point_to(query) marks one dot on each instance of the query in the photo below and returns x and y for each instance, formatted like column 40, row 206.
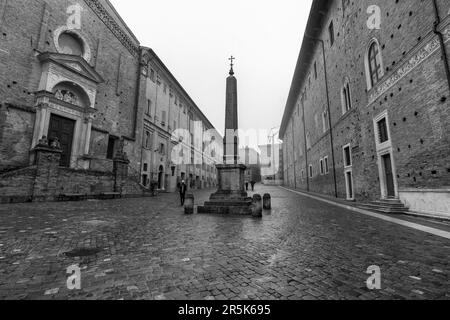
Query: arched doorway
column 161, row 177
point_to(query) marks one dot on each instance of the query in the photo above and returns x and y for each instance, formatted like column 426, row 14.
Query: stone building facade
column 179, row 142
column 272, row 164
column 72, row 71
column 367, row 116
column 252, row 160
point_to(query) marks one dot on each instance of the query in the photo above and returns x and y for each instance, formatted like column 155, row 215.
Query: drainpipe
column 329, row 113
column 441, row 40
column 306, row 148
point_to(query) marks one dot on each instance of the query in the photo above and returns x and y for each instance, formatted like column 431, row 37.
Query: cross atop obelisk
column 232, row 65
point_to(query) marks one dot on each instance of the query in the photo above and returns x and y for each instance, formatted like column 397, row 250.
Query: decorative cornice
column 109, row 21
column 402, row 71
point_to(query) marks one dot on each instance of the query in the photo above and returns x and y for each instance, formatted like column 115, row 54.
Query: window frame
column 378, row 63
column 331, row 33
column 350, row 156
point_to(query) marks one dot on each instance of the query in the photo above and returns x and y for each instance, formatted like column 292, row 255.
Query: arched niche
column 72, row 93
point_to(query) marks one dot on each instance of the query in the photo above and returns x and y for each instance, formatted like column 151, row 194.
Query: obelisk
column 231, row 197
column 230, row 141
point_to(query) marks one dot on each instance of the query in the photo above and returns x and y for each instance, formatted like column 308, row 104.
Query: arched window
column 70, row 43
column 375, row 64
column 346, row 98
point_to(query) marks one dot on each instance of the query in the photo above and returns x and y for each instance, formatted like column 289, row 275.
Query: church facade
column 73, row 75
column 367, row 116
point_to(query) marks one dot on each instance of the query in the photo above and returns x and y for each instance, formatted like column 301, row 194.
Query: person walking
column 253, row 185
column 183, row 190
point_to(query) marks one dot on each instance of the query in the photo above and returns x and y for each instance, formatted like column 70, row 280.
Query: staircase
column 390, row 206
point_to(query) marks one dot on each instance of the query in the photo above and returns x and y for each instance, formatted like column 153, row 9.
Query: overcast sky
column 195, row 38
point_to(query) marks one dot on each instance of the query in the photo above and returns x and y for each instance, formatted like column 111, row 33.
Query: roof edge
column 313, row 28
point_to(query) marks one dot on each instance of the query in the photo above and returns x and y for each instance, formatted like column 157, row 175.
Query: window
column 327, row 167
column 148, row 140
column 144, row 180
column 346, row 98
column 152, row 75
column 383, row 134
column 111, row 147
column 70, row 43
column 325, row 120
column 145, row 166
column 322, row 169
column 162, row 149
column 315, row 70
column 374, row 64
column 310, row 171
column 163, row 118
column 165, row 88
column 149, row 107
column 331, row 32
column 308, row 141
column 347, row 156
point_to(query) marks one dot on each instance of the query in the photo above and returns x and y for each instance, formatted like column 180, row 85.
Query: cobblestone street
column 148, row 249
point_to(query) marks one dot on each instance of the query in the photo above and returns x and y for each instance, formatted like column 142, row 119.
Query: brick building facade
column 367, row 116
column 72, row 71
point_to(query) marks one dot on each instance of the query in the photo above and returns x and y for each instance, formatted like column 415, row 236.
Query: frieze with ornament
column 65, row 110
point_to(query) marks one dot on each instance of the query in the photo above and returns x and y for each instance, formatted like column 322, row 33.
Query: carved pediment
column 72, row 63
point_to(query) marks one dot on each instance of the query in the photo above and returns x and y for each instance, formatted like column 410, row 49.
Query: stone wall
column 47, row 181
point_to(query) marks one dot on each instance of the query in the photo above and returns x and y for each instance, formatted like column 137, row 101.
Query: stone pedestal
column 231, row 198
column 47, row 165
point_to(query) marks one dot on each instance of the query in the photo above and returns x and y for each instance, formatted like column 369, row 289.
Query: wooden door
column 390, row 188
column 63, row 129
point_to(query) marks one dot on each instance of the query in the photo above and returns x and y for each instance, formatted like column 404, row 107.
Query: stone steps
column 390, row 206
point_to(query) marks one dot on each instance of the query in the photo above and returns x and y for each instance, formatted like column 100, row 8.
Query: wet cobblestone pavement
column 148, row 249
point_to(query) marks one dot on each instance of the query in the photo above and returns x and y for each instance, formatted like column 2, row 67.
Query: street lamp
column 272, row 137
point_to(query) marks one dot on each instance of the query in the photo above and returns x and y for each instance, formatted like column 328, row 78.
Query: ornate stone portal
column 231, row 197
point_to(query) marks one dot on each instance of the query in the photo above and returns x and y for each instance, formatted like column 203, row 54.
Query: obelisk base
column 231, row 198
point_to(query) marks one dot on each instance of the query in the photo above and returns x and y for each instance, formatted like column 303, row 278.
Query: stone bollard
column 267, row 202
column 257, row 206
column 189, row 204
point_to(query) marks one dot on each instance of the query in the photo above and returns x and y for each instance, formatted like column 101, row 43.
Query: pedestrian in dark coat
column 183, row 190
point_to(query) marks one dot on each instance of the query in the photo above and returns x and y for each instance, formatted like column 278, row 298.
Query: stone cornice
column 109, row 21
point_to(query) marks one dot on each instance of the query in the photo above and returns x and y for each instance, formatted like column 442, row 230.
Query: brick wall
column 29, row 27
column 417, row 104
